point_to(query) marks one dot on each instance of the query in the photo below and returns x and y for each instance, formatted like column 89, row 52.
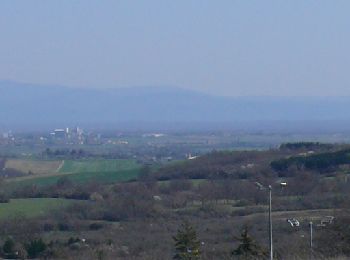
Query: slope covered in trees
column 320, row 162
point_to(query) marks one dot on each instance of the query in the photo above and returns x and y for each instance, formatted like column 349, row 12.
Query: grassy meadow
column 93, row 165
column 31, row 207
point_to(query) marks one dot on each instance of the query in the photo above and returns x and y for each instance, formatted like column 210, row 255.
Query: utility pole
column 270, row 222
column 311, row 238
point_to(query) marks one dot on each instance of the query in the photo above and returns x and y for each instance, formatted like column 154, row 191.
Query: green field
column 102, row 177
column 83, row 171
column 79, row 166
column 31, row 207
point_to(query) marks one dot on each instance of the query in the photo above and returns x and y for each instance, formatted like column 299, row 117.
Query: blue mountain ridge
column 31, row 105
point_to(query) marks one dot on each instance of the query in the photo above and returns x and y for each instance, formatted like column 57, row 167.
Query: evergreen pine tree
column 247, row 249
column 9, row 248
column 186, row 243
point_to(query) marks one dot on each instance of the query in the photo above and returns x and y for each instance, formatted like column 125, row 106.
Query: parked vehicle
column 293, row 222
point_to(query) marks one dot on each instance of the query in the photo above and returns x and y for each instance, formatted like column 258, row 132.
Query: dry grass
column 33, row 166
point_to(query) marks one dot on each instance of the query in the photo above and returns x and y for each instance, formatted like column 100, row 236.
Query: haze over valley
column 165, row 108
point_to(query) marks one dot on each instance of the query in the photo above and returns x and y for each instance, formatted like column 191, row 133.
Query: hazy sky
column 227, row 47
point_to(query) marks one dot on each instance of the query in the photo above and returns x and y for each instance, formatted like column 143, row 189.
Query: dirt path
column 60, row 166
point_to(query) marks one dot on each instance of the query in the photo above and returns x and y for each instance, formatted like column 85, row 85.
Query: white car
column 293, row 222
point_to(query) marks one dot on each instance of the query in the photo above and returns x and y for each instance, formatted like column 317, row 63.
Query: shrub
column 9, row 248
column 95, row 226
column 35, row 248
column 73, row 240
column 64, row 227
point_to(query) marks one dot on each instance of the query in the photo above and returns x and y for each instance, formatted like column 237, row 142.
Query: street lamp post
column 311, row 238
column 261, row 187
column 270, row 223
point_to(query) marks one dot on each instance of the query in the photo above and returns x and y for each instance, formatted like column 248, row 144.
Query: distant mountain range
column 33, row 106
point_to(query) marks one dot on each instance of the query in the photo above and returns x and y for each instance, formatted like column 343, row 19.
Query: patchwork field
column 82, row 171
column 33, row 166
column 102, row 177
column 31, row 207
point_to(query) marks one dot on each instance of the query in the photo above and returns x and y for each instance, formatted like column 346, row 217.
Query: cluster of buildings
column 67, row 133
column 7, row 138
column 74, row 135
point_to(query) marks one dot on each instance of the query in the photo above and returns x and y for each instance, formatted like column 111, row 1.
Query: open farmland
column 31, row 207
column 33, row 166
column 84, row 171
column 102, row 177
column 81, row 166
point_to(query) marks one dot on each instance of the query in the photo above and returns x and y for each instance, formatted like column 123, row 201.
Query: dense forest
column 321, row 162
